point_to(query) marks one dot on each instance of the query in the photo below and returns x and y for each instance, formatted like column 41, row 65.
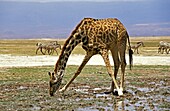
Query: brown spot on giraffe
column 97, row 36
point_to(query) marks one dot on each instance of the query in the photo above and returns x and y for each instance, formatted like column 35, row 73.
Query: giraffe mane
column 67, row 42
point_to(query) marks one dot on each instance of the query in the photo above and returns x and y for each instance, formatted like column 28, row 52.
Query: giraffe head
column 55, row 82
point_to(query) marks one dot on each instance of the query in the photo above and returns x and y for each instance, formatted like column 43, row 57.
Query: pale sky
column 74, row 0
column 51, row 18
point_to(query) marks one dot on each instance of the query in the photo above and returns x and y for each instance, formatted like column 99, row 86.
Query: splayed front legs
column 109, row 68
column 86, row 59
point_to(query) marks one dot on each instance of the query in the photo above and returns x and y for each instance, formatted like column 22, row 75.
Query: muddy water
column 153, row 96
column 135, row 98
column 147, row 88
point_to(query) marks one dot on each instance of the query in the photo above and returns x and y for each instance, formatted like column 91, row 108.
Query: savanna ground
column 28, row 46
column 26, row 88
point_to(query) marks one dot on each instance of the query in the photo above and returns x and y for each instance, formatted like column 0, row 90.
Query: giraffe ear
column 53, row 73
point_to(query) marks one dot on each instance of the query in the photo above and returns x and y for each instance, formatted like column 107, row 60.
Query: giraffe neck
column 68, row 47
column 75, row 38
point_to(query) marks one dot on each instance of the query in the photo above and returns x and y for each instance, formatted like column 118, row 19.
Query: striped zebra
column 49, row 47
column 137, row 45
column 52, row 47
column 163, row 46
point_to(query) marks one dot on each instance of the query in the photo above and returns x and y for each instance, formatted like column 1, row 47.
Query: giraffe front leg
column 86, row 59
column 63, row 89
column 72, row 79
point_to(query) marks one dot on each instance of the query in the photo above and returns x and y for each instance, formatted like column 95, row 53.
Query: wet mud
column 148, row 91
column 151, row 96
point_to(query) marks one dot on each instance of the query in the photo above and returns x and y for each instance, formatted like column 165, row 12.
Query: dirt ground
column 147, row 85
column 147, row 88
column 26, row 61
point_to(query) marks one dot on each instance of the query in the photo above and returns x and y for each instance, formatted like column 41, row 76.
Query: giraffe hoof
column 121, row 89
column 120, row 92
column 62, row 90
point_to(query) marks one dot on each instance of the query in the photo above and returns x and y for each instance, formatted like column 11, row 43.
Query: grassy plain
column 26, row 88
column 28, row 46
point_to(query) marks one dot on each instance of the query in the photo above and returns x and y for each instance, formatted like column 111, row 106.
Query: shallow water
column 136, row 98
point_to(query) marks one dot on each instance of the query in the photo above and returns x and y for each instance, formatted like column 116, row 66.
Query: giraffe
column 97, row 36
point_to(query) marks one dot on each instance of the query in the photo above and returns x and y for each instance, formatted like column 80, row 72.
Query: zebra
column 163, row 46
column 137, row 45
column 40, row 46
column 50, row 47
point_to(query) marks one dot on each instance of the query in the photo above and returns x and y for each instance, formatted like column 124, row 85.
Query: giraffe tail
column 130, row 58
column 130, row 54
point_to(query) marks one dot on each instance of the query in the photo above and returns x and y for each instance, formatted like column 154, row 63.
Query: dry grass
column 28, row 46
column 20, row 46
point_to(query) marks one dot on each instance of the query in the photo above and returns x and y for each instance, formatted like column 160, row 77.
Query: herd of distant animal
column 53, row 45
column 48, row 47
column 163, row 46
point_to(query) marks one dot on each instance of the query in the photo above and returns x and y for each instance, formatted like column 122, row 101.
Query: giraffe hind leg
column 123, row 65
column 122, row 50
column 110, row 71
column 116, row 64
